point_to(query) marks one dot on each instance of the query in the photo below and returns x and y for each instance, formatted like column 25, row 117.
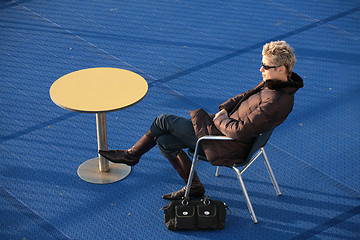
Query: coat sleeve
column 231, row 103
column 259, row 120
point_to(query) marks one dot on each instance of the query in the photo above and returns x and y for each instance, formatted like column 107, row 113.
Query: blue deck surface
column 193, row 54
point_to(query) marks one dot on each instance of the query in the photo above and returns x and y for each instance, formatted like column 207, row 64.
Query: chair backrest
column 259, row 142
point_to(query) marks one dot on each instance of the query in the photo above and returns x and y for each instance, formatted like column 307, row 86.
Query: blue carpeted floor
column 193, row 54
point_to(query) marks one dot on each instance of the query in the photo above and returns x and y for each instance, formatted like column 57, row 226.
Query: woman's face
column 273, row 71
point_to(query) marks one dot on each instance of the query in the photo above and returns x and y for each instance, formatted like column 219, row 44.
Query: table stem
column 102, row 140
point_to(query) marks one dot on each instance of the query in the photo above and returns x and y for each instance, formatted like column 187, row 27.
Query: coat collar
column 293, row 83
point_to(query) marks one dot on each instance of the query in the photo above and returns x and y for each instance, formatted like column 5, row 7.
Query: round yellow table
column 99, row 90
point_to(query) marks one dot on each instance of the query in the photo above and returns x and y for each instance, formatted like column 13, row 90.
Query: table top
column 98, row 90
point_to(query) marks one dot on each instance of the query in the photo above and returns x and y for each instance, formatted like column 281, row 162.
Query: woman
column 242, row 118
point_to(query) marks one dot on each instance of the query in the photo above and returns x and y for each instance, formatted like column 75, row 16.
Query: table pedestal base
column 89, row 172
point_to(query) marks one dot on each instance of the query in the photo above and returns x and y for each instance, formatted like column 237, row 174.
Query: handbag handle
column 185, row 201
column 206, row 200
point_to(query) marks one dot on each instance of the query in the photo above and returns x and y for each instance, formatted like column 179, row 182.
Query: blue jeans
column 173, row 133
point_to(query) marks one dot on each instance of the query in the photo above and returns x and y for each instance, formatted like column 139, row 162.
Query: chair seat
column 200, row 156
column 203, row 158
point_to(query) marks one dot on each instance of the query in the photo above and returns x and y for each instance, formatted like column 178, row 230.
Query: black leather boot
column 182, row 164
column 131, row 156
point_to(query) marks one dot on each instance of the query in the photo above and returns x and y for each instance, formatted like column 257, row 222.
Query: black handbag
column 191, row 214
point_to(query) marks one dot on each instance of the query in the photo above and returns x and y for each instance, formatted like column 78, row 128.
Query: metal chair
column 256, row 150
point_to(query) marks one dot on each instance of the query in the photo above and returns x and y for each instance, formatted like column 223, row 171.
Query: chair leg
column 247, row 199
column 272, row 176
column 191, row 175
column 217, row 173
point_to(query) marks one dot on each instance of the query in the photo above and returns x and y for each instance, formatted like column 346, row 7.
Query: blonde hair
column 281, row 54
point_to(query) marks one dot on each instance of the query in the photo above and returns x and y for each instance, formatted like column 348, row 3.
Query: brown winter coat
column 260, row 111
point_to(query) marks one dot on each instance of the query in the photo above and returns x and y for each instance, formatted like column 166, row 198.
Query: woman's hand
column 219, row 114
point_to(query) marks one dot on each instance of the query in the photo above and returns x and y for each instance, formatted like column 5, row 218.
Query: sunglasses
column 266, row 67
